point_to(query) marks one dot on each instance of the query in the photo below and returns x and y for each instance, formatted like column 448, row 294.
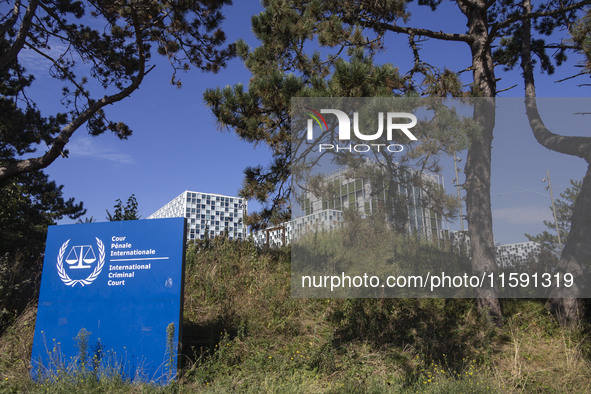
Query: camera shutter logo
column 80, row 257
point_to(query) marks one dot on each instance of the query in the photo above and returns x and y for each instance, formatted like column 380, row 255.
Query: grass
column 244, row 333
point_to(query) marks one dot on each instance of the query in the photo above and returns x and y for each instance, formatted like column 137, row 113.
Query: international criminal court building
column 214, row 214
column 349, row 191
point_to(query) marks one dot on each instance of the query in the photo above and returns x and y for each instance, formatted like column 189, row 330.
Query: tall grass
column 244, row 333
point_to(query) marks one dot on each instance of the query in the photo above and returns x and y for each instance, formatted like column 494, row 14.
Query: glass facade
column 326, row 220
column 514, row 255
column 206, row 213
column 367, row 196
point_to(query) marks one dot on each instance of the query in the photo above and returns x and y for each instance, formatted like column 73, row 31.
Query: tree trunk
column 478, row 162
column 478, row 206
column 575, row 258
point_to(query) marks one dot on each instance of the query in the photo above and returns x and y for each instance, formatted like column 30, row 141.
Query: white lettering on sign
column 120, row 246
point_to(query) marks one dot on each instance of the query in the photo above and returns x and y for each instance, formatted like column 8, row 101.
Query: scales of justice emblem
column 80, row 257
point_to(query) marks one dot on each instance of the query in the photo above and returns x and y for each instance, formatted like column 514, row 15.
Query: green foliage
column 21, row 128
column 326, row 48
column 243, row 332
column 508, row 53
column 564, row 212
column 241, row 313
column 30, row 203
column 95, row 370
column 441, row 330
column 129, row 211
column 581, row 36
column 87, row 372
column 90, row 219
column 281, row 69
column 170, row 349
column 370, row 247
column 100, row 51
column 81, row 340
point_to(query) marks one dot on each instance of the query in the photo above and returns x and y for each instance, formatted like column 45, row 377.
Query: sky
column 178, row 146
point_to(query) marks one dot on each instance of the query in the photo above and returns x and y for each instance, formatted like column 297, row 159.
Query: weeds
column 244, row 333
column 170, row 363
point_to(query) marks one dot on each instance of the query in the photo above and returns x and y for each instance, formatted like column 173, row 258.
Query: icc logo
column 80, row 257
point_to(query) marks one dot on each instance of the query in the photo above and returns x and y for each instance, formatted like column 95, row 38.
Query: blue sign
column 111, row 299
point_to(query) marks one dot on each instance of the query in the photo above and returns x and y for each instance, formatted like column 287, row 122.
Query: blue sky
column 177, row 145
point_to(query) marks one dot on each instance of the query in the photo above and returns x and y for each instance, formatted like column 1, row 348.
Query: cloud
column 88, row 147
column 35, row 63
column 522, row 215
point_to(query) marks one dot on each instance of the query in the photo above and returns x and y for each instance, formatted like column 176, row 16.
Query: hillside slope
column 244, row 333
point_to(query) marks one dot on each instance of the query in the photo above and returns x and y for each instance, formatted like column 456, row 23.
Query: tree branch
column 22, row 166
column 504, row 90
column 531, row 15
column 425, row 32
column 17, row 45
column 58, row 66
column 11, row 20
column 573, row 146
column 571, row 77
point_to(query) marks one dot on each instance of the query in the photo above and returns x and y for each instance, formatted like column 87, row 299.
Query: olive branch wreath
column 97, row 270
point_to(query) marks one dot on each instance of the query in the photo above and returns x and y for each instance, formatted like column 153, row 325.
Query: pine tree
column 564, row 212
column 575, row 256
column 101, row 51
column 29, row 203
column 282, row 68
